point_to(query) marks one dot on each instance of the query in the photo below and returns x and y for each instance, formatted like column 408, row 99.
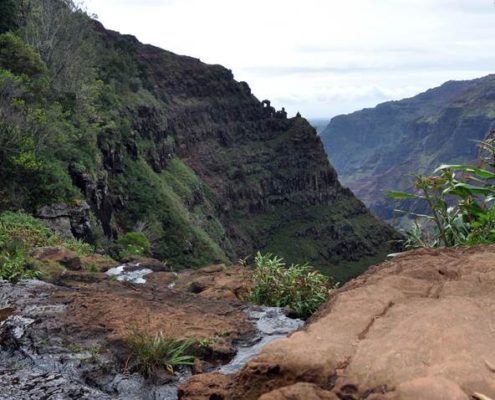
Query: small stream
column 128, row 273
column 271, row 324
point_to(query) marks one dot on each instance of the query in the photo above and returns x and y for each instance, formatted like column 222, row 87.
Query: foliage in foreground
column 298, row 287
column 152, row 352
column 461, row 201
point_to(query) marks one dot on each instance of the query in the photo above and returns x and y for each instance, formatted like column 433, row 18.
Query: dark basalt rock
column 69, row 222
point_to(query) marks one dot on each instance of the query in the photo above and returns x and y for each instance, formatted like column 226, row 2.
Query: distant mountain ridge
column 375, row 150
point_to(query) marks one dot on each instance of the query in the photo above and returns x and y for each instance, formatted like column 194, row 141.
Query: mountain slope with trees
column 165, row 145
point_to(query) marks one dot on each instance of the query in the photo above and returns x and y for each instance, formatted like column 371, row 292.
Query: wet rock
column 124, row 273
column 415, row 327
column 153, row 264
column 19, row 385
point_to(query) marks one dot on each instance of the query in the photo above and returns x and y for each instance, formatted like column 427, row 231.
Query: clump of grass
column 298, row 287
column 20, row 233
column 79, row 247
column 13, row 266
column 154, row 351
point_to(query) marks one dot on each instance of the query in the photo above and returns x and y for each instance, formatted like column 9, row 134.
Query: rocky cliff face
column 212, row 173
column 376, row 150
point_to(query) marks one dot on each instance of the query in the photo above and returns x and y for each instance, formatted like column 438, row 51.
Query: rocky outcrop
column 417, row 327
column 69, row 222
column 376, row 150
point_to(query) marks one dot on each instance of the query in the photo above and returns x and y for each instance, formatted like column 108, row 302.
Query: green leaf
column 479, row 172
column 474, row 190
column 402, row 195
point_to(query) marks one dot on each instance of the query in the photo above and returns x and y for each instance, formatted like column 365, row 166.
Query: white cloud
column 321, row 57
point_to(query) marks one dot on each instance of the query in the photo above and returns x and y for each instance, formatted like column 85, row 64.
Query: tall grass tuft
column 154, row 351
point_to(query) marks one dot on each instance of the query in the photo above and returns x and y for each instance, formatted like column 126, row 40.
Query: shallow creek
column 271, row 324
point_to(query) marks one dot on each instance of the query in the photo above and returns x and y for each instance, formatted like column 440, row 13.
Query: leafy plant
column 134, row 243
column 18, row 57
column 155, row 351
column 298, row 286
column 461, row 201
column 13, row 266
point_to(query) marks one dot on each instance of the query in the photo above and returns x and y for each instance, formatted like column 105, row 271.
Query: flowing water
column 271, row 324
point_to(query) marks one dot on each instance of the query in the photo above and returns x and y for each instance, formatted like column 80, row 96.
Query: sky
column 320, row 57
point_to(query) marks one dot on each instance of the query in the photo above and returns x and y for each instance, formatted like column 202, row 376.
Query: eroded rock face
column 377, row 149
column 68, row 221
column 256, row 179
column 417, row 327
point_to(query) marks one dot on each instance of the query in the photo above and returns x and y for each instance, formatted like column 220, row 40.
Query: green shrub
column 461, row 201
column 19, row 58
column 19, row 234
column 25, row 229
column 134, row 243
column 298, row 287
column 152, row 352
column 13, row 266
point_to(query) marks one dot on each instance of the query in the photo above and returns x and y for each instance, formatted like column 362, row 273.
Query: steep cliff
column 255, row 178
column 181, row 151
column 376, row 150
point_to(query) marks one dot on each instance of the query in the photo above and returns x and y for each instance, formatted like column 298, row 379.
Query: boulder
column 300, row 391
column 217, row 281
column 68, row 221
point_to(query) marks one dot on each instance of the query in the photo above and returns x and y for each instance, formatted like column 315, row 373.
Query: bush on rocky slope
column 152, row 352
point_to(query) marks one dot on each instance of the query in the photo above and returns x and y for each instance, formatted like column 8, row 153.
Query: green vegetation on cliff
column 298, row 287
column 167, row 146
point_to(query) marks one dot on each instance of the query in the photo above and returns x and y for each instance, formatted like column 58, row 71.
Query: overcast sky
column 320, row 57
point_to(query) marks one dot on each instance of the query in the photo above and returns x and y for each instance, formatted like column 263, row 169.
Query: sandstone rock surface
column 421, row 326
